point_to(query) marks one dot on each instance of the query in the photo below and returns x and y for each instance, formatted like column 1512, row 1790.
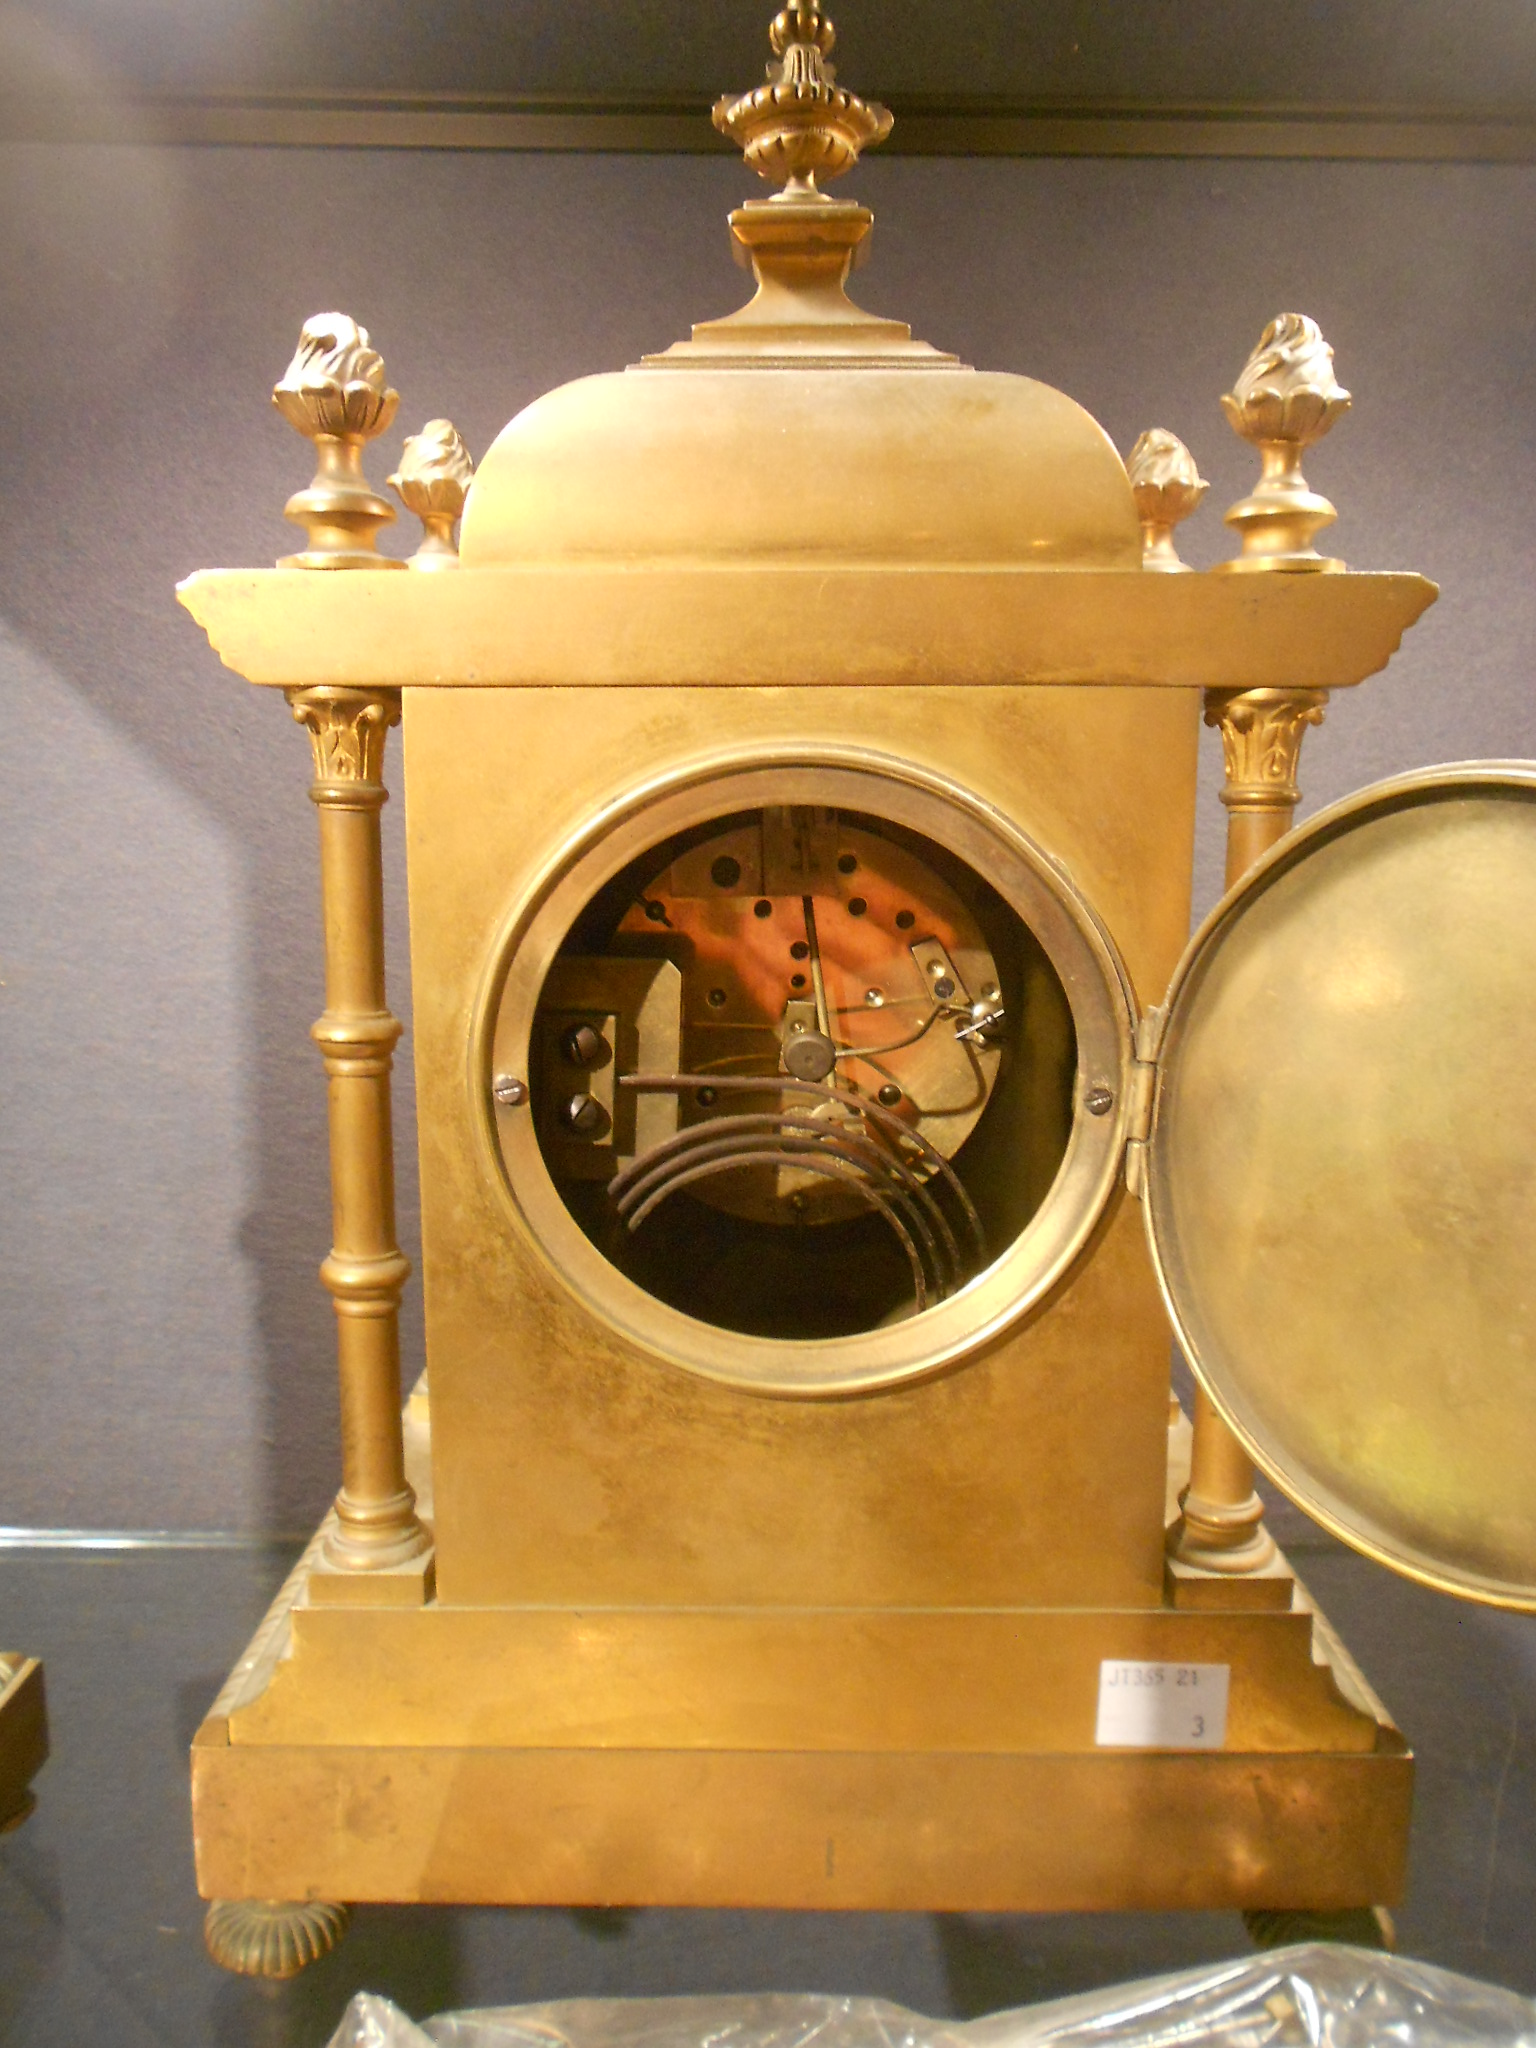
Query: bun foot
column 272, row 1937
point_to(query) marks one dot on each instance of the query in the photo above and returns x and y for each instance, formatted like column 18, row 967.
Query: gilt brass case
column 782, row 1554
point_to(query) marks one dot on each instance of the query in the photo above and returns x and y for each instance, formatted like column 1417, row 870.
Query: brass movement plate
column 1342, row 1174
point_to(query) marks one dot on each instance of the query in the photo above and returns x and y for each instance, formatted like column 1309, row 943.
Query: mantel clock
column 822, row 1112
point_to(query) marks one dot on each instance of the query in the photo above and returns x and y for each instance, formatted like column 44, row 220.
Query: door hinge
column 1142, row 1093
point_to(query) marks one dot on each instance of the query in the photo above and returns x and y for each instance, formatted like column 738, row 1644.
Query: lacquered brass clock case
column 1021, row 1269
column 597, row 1622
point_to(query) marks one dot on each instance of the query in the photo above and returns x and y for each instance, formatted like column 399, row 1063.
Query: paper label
column 1162, row 1706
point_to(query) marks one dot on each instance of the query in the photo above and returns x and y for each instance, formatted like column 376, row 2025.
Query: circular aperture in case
column 801, row 1073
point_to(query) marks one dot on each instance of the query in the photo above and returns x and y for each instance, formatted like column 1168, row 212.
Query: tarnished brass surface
column 1340, row 1182
column 895, row 1833
column 601, row 624
column 869, row 1490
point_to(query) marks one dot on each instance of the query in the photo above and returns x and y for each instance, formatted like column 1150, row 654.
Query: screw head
column 582, row 1045
column 509, row 1091
column 1099, row 1101
column 889, row 1096
column 943, row 988
column 584, row 1116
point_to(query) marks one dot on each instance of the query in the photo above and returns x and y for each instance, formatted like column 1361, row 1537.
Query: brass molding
column 680, row 624
column 672, row 125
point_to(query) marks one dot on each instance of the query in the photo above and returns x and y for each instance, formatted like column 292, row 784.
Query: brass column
column 1285, row 400
column 376, row 1524
column 1222, row 1528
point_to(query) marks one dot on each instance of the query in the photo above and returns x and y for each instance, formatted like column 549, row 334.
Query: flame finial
column 1286, row 398
column 1167, row 487
column 800, row 125
column 433, row 480
column 335, row 394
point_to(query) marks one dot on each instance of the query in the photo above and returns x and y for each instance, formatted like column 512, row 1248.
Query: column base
column 1217, row 1537
column 382, row 1537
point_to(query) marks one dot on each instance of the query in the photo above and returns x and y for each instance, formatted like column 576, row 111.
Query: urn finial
column 433, row 481
column 1167, row 487
column 1286, row 398
column 800, row 125
column 334, row 393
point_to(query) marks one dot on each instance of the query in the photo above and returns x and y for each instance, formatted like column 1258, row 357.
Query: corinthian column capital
column 347, row 729
column 1261, row 735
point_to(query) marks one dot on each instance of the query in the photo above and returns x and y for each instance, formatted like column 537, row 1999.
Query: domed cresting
column 745, row 460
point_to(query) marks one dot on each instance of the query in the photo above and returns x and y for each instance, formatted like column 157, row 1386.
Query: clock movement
column 823, row 1113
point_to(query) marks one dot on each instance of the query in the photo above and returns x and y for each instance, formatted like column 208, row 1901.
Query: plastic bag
column 1315, row 1995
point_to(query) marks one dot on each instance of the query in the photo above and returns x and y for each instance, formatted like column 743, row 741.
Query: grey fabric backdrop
column 165, row 1350
column 1478, row 56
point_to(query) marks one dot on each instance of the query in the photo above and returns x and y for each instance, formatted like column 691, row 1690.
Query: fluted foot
column 1360, row 1926
column 272, row 1937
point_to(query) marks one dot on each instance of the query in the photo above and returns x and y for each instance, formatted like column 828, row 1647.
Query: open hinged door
column 1340, row 1177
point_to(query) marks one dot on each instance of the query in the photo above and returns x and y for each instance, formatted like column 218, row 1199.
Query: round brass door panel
column 708, row 920
column 1341, row 1184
